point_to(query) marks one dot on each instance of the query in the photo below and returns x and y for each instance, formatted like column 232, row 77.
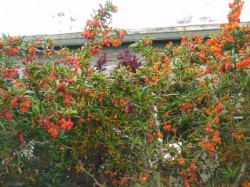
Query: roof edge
column 157, row 33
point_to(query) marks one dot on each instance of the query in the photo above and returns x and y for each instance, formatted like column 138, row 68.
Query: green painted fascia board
column 157, row 34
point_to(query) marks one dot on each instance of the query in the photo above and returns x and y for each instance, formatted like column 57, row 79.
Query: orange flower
column 21, row 139
column 193, row 167
column 53, row 131
column 244, row 64
column 167, row 127
column 8, row 116
column 217, row 138
column 159, row 135
column 122, row 102
column 246, row 184
column 66, row 124
column 14, row 102
column 144, row 178
column 210, row 147
column 25, row 105
column 62, row 149
column 209, row 130
column 181, row 161
column 18, row 84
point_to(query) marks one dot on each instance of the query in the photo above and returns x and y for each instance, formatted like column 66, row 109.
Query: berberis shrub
column 178, row 117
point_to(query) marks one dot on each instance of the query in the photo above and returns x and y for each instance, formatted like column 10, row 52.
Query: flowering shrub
column 181, row 119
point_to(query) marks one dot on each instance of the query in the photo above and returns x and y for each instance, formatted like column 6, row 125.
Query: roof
column 157, row 34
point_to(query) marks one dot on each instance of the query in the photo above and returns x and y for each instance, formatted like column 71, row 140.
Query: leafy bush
column 181, row 119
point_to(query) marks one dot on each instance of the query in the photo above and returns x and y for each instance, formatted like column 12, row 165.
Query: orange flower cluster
column 97, row 27
column 66, row 124
column 21, row 139
column 13, row 51
column 209, row 129
column 24, row 104
column 243, row 64
column 49, row 126
column 7, row 115
column 159, row 135
column 237, row 134
column 53, row 130
column 169, row 127
column 219, row 108
column 234, row 14
column 189, row 174
column 87, row 34
column 10, row 73
column 210, row 145
column 187, row 106
column 181, row 161
column 215, row 109
column 216, row 137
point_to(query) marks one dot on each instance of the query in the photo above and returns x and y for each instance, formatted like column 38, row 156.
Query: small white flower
column 28, row 152
column 160, row 140
column 176, row 146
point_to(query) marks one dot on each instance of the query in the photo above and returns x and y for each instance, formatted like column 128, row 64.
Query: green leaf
column 204, row 177
column 70, row 111
column 2, row 125
column 15, row 184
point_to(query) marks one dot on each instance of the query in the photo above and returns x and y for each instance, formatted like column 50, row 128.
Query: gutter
column 133, row 35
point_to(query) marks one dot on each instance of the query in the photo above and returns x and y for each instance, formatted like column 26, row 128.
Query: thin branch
column 93, row 177
column 242, row 171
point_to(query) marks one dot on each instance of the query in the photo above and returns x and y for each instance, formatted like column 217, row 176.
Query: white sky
column 28, row 17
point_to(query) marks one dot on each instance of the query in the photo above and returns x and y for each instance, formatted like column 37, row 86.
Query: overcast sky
column 28, row 17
